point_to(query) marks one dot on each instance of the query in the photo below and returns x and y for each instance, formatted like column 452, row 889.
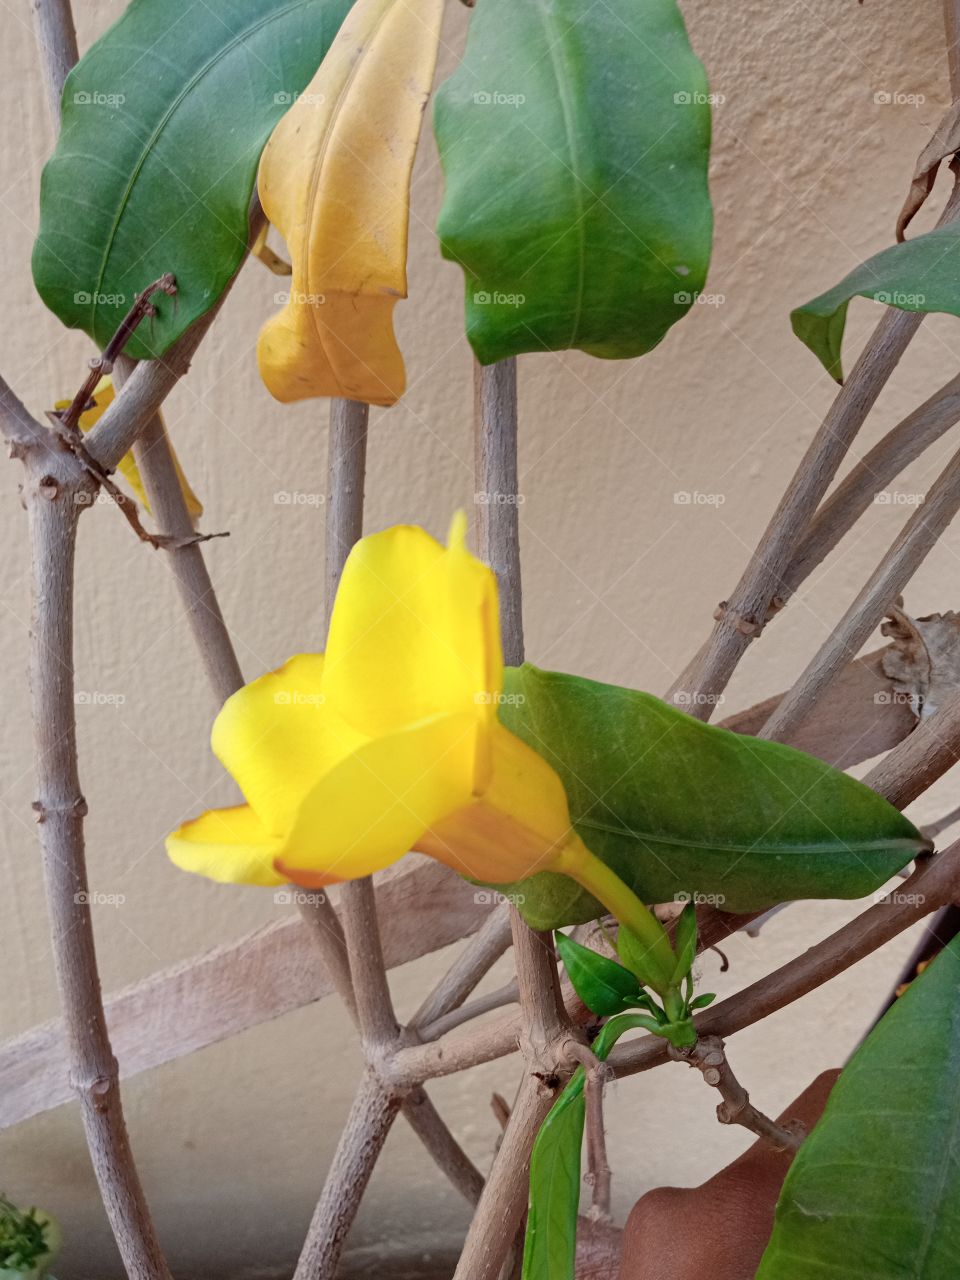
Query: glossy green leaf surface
column 550, row 1244
column 163, row 122
column 604, row 986
column 675, row 806
column 574, row 141
column 922, row 274
column 874, row 1192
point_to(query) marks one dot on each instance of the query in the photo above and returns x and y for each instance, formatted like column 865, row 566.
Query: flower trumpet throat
column 389, row 741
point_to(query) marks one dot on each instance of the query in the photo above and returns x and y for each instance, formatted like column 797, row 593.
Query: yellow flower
column 390, row 741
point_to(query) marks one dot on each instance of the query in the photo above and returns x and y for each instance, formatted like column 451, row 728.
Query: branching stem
column 709, row 1057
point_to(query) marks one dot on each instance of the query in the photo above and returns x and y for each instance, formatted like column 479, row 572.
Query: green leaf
column 636, row 955
column 575, row 141
column 163, row 122
column 29, row 1242
column 922, row 274
column 685, row 942
column 675, row 806
column 550, row 1246
column 874, row 1192
column 604, row 986
column 701, row 1002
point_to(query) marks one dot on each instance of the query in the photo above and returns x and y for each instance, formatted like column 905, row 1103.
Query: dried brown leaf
column 924, row 660
column 945, row 142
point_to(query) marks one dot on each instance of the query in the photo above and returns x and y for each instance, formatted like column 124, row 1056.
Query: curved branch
column 934, row 883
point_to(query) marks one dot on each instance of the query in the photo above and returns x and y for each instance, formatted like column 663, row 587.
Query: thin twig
column 709, row 1057
column 102, row 364
column 509, row 993
column 479, row 955
column 447, row 1153
column 56, row 39
column 346, row 470
column 496, row 496
column 916, row 540
column 19, row 428
column 875, row 470
column 598, row 1175
column 358, row 910
column 204, row 616
column 320, row 917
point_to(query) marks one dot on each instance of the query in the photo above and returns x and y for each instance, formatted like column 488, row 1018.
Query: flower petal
column 370, row 809
column 229, row 845
column 520, row 824
column 414, row 633
column 277, row 736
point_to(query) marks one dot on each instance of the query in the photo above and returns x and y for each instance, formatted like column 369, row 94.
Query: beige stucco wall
column 620, row 583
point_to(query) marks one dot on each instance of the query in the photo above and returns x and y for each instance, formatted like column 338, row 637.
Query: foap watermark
column 483, row 498
column 697, row 98
column 683, row 699
column 694, row 498
column 897, row 98
column 890, row 498
column 484, row 699
column 297, row 698
column 94, row 898
column 97, row 98
column 298, row 498
column 893, row 698
column 286, row 99
column 299, row 897
column 299, row 299
column 896, row 298
column 88, row 498
column 84, row 299
column 701, row 899
column 98, row 698
column 486, row 298
column 496, row 98
column 688, row 298
column 491, row 897
column 897, row 898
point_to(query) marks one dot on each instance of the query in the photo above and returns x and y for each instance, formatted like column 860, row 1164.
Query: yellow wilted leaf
column 335, row 180
column 103, row 394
